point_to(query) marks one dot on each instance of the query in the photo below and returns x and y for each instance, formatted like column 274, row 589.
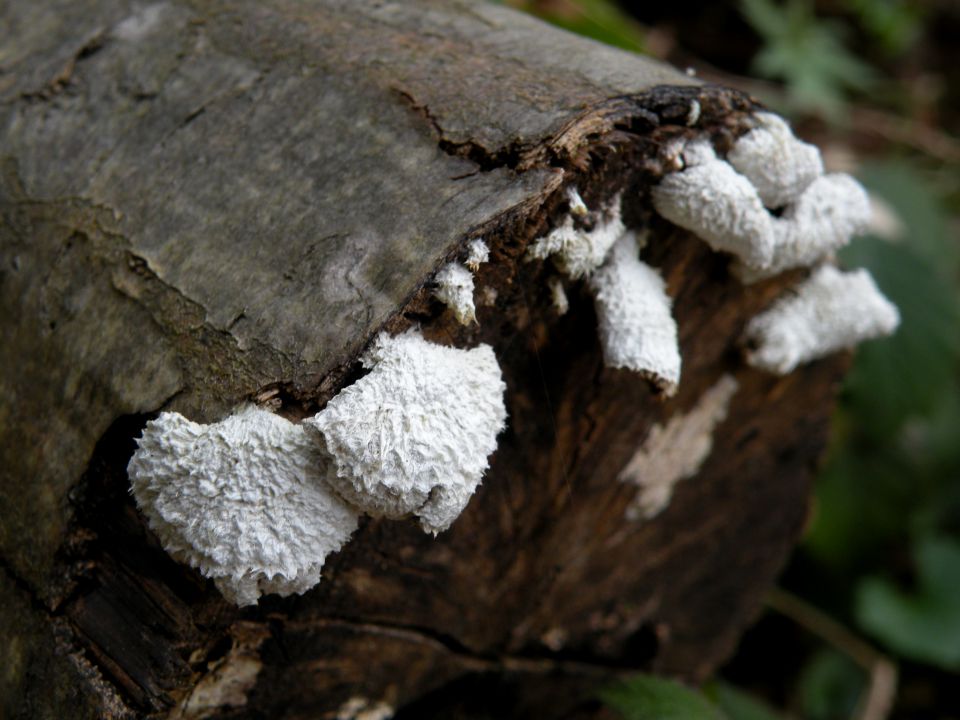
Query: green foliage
column 808, row 54
column 647, row 697
column 891, row 475
column 738, row 705
column 601, row 20
column 895, row 24
column 922, row 624
column 829, row 686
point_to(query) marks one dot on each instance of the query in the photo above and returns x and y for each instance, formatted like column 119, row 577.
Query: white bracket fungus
column 257, row 502
column 477, row 254
column 413, row 435
column 709, row 198
column 725, row 201
column 637, row 330
column 775, row 162
column 831, row 211
column 579, row 251
column 244, row 500
column 830, row 311
column 675, row 451
column 633, row 310
column 455, row 290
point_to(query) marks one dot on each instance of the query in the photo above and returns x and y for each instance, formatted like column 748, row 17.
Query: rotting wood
column 206, row 202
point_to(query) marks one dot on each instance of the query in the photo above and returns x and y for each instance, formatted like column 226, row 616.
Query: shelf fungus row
column 257, row 502
column 770, row 205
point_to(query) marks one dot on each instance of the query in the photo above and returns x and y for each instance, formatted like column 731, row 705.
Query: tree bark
column 215, row 201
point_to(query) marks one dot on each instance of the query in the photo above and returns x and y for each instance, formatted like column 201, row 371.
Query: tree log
column 212, row 201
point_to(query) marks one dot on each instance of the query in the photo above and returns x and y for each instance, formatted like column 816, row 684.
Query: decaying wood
column 211, row 201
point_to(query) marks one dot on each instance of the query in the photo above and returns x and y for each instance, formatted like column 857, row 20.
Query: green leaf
column 862, row 507
column 807, row 53
column 923, row 625
column 830, row 685
column 916, row 202
column 601, row 20
column 906, row 374
column 739, row 705
column 647, row 697
column 895, row 23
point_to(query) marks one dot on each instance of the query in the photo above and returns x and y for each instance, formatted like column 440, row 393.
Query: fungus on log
column 213, row 203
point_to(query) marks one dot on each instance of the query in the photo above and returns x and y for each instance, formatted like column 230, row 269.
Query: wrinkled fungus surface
column 830, row 311
column 455, row 290
column 577, row 250
column 413, row 436
column 637, row 331
column 244, row 500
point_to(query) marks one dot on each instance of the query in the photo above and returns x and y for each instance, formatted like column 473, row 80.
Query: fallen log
column 210, row 203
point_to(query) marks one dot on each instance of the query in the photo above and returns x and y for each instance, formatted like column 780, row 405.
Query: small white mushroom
column 577, row 251
column 637, row 331
column 477, row 254
column 775, row 162
column 830, row 311
column 413, row 435
column 824, row 218
column 244, row 500
column 455, row 290
column 710, row 199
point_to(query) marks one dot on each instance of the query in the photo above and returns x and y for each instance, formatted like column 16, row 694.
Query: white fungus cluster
column 830, row 311
column 256, row 502
column 245, row 500
column 713, row 200
column 455, row 290
column 728, row 203
column 775, row 162
column 455, row 285
column 576, row 250
column 477, row 254
column 414, row 434
column 637, row 331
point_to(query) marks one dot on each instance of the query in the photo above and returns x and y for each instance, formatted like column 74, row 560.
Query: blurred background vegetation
column 866, row 621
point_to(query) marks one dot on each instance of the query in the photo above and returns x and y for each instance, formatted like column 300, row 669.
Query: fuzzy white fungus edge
column 826, row 216
column 775, row 162
column 455, row 290
column 637, row 331
column 558, row 296
column 477, row 254
column 711, row 199
column 413, row 435
column 725, row 202
column 244, row 500
column 577, row 206
column 579, row 251
column 830, row 311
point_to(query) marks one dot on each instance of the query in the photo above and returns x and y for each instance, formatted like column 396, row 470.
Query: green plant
column 601, row 20
column 647, row 697
column 807, row 53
